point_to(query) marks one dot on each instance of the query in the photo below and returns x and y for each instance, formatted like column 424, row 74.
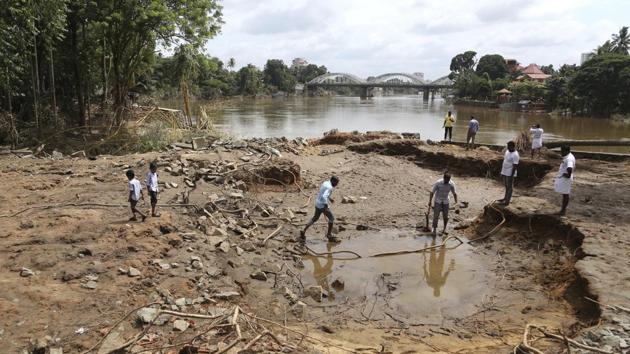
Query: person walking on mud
column 449, row 120
column 441, row 190
column 473, row 128
column 508, row 171
column 322, row 206
column 537, row 140
column 135, row 193
column 152, row 187
column 564, row 180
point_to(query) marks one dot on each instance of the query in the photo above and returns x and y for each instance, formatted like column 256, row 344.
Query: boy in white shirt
column 152, row 187
column 322, row 207
column 135, row 193
column 564, row 180
column 508, row 171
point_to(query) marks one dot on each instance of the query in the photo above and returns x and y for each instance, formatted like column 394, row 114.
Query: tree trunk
column 52, row 87
column 186, row 103
column 77, row 72
column 87, row 86
column 35, row 82
column 12, row 128
column 104, row 73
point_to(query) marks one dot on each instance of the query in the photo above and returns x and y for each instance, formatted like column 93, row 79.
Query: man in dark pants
column 441, row 190
column 508, row 171
column 322, row 207
column 449, row 120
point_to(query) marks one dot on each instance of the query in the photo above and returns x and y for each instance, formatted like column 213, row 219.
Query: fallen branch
column 272, row 234
column 397, row 253
column 494, row 229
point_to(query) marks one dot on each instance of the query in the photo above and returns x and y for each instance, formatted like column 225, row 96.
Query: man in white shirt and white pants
column 508, row 171
column 564, row 180
column 322, row 207
column 537, row 140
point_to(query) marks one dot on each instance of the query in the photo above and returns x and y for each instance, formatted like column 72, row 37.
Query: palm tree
column 231, row 63
column 621, row 42
column 605, row 48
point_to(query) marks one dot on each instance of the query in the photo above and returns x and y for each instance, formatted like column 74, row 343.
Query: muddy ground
column 72, row 265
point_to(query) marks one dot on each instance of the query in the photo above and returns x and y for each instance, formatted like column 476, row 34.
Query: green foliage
column 603, row 82
column 249, row 80
column 492, row 64
column 530, row 90
column 621, row 42
column 463, row 62
column 308, row 73
column 277, row 75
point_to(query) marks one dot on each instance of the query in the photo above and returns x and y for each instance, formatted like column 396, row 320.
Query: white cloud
column 368, row 37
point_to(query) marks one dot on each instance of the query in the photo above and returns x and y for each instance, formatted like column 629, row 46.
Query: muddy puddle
column 442, row 282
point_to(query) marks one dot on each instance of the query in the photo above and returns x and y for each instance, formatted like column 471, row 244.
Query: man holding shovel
column 441, row 190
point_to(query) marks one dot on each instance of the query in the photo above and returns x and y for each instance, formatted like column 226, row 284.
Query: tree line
column 599, row 87
column 79, row 62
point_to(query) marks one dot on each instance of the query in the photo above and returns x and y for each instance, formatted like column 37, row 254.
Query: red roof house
column 533, row 72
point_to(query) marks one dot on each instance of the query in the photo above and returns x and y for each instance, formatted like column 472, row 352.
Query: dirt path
column 61, row 220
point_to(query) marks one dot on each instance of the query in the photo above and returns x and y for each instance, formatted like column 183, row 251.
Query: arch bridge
column 388, row 80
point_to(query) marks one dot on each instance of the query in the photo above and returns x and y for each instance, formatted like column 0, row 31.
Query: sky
column 373, row 37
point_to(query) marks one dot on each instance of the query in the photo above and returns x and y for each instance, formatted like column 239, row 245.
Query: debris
column 315, row 292
column 89, row 285
column 227, row 295
column 361, row 227
column 348, row 200
column 81, row 330
column 25, row 272
column 259, row 275
column 180, row 325
column 133, row 272
column 290, row 295
column 225, row 246
column 199, row 143
column 146, row 314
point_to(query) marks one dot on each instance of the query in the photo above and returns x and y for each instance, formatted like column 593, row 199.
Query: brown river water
column 310, row 117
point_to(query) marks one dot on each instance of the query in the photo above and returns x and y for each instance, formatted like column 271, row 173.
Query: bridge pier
column 425, row 94
column 366, row 92
column 432, row 95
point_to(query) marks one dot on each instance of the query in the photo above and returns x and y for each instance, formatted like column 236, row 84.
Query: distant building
column 419, row 75
column 532, row 72
column 513, row 65
column 299, row 63
column 585, row 57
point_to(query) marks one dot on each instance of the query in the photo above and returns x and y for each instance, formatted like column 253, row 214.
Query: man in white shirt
column 135, row 193
column 564, row 180
column 508, row 171
column 152, row 187
column 441, row 190
column 473, row 128
column 322, row 206
column 537, row 141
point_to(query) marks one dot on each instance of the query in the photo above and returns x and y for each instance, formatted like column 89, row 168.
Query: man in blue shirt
column 322, row 207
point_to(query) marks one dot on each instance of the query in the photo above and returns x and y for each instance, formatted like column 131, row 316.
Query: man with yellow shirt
column 449, row 120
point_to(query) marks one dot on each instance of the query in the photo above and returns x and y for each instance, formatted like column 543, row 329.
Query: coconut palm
column 231, row 63
column 621, row 42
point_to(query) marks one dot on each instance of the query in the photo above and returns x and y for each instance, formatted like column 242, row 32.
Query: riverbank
column 73, row 266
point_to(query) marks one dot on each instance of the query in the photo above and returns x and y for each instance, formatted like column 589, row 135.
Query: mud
column 65, row 221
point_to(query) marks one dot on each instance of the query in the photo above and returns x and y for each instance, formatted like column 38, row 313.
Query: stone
column 236, row 195
column 348, row 200
column 180, row 302
column 197, row 265
column 174, row 185
column 290, row 295
column 162, row 319
column 146, row 314
column 226, row 295
column 28, row 224
column 199, row 143
column 89, row 285
column 248, row 246
column 180, row 325
column 225, row 246
column 213, row 271
column 219, row 232
column 239, row 251
column 612, row 340
column 165, row 266
column 259, row 275
column 338, row 284
column 189, row 183
column 194, row 258
column 133, row 272
column 362, row 227
column 56, row 155
column 315, row 292
column 55, row 350
column 245, row 158
column 25, row 272
column 623, row 344
column 299, row 309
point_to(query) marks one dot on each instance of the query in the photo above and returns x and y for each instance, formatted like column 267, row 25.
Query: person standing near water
column 564, row 180
column 322, row 206
column 508, row 171
column 473, row 128
column 441, row 190
column 449, row 120
column 537, row 141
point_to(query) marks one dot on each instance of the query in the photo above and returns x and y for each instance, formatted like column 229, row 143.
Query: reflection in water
column 433, row 276
column 321, row 273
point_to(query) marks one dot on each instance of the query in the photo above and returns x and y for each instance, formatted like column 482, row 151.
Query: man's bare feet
column 333, row 239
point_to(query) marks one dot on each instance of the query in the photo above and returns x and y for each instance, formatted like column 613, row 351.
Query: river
column 310, row 117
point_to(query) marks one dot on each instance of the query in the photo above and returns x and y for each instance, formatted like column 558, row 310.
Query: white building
column 299, row 63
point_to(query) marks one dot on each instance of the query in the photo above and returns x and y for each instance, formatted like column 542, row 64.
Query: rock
column 180, row 302
column 55, row 350
column 464, row 224
column 174, row 185
column 326, row 329
column 89, row 285
column 623, row 344
column 226, row 295
column 248, row 246
column 225, row 246
column 315, row 292
column 28, row 224
column 217, row 231
column 199, row 143
column 165, row 266
column 237, row 195
column 197, row 264
column 56, row 155
column 133, row 272
column 146, row 314
column 25, row 272
column 613, row 341
column 189, row 183
column 290, row 295
column 239, row 251
column 259, row 275
column 362, row 227
column 213, row 271
column 180, row 325
column 245, row 158
column 299, row 309
column 338, row 284
column 348, row 200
